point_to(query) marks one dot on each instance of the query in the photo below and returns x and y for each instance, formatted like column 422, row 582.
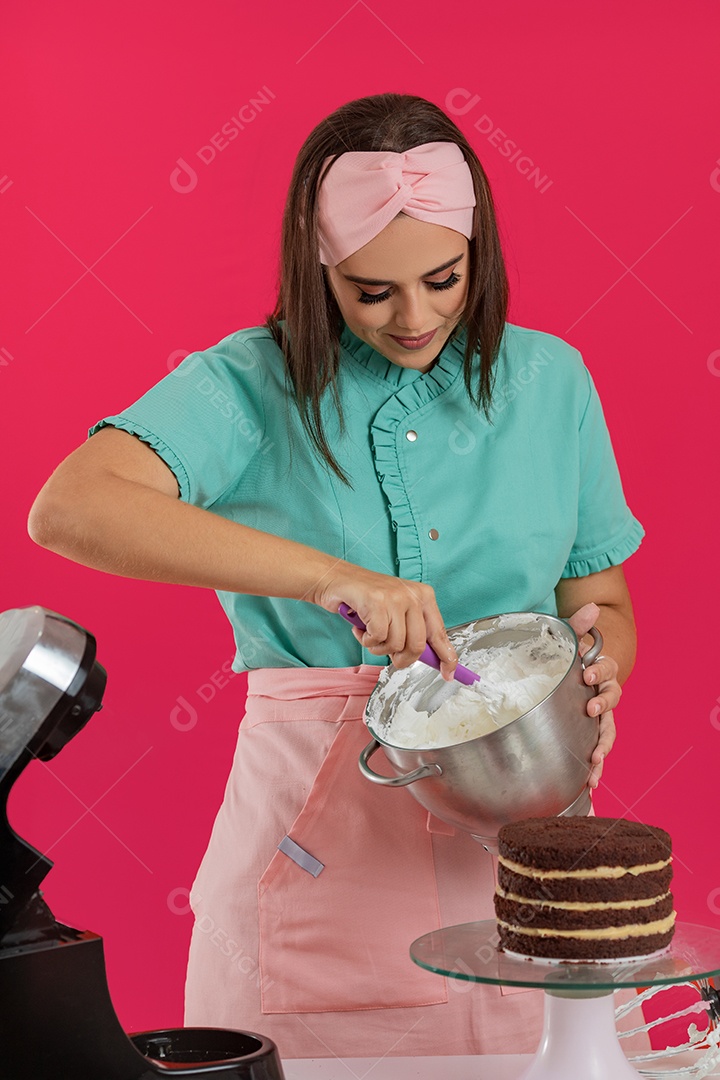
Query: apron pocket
column 355, row 885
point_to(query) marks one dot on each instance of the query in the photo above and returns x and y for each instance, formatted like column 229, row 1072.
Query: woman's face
column 416, row 297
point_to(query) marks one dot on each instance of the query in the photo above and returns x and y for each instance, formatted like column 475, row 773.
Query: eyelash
column 369, row 298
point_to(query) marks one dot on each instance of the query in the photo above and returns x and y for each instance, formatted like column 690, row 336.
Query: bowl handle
column 594, row 651
column 393, row 781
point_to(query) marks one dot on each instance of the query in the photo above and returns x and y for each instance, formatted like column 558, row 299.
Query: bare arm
column 602, row 599
column 113, row 505
column 616, row 622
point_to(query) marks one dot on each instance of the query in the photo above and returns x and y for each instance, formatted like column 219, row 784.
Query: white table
column 487, row 1067
column 490, row 1067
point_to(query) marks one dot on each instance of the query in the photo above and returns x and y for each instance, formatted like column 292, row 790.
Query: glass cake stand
column 579, row 1037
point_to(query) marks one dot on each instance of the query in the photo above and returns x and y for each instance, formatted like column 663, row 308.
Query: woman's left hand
column 603, row 674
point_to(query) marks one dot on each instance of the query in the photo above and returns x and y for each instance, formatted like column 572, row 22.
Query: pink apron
column 315, row 882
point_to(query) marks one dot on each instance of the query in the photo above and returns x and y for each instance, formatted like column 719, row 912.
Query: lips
column 415, row 343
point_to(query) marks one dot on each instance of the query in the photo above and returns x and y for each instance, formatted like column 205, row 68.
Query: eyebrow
column 374, row 281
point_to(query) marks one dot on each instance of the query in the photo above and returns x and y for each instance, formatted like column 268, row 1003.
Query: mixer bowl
column 535, row 766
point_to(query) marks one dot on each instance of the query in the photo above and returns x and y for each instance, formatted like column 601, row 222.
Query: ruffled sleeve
column 205, row 419
column 607, row 531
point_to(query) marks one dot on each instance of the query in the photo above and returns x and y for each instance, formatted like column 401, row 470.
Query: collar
column 449, row 361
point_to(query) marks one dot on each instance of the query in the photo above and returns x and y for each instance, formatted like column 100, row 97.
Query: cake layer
column 582, row 843
column 624, row 887
column 583, row 917
column 584, row 889
column 575, row 948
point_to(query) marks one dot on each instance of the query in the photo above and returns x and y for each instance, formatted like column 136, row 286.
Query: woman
column 386, row 439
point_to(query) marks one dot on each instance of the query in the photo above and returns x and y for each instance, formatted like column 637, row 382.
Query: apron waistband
column 292, row 683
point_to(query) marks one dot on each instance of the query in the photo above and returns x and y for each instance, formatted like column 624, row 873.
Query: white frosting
column 514, row 678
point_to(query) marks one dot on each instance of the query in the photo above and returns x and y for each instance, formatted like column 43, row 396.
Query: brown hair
column 312, row 319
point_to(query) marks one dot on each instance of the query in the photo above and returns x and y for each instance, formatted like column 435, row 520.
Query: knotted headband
column 363, row 191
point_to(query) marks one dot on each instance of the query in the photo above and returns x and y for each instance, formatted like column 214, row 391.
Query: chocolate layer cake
column 581, row 888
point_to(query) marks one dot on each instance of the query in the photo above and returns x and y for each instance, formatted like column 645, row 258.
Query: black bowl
column 219, row 1052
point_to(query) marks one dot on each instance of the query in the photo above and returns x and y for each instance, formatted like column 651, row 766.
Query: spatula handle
column 428, row 655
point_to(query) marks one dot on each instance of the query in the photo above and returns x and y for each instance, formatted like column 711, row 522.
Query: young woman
column 388, row 440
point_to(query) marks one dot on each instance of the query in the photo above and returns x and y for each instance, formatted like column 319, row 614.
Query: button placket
column 397, row 465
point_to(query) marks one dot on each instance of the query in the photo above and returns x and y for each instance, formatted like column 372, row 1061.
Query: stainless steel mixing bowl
column 535, row 766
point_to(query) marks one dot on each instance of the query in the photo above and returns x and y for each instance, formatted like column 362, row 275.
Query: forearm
column 616, row 622
column 617, row 626
column 132, row 530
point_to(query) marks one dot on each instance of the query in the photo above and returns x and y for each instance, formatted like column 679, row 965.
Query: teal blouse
column 490, row 515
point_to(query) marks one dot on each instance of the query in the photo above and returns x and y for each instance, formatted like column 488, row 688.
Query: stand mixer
column 57, row 1021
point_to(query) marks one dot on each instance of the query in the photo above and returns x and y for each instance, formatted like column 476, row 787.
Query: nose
column 413, row 313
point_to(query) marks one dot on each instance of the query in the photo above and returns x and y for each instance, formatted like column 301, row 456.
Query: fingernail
column 592, row 677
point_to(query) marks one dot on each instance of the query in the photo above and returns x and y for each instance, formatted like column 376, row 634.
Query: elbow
column 44, row 521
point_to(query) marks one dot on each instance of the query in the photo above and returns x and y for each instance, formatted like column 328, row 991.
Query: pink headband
column 364, row 191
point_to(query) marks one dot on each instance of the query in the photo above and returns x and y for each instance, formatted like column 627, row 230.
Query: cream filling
column 606, row 933
column 579, row 905
column 593, row 872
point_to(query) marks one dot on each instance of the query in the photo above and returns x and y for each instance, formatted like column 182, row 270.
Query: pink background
column 113, row 271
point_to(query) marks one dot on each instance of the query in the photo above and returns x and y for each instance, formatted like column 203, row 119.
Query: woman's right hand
column 400, row 616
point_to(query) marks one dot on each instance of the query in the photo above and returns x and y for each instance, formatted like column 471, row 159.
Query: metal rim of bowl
column 462, row 626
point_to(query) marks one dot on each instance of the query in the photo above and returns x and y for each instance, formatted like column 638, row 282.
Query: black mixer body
column 57, row 1021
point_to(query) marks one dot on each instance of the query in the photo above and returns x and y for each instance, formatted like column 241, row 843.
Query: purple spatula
column 428, row 656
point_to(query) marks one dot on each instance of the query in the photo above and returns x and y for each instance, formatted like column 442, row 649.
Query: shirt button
column 411, row 436
column 433, row 534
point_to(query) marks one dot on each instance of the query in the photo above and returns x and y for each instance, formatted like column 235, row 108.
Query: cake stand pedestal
column 579, row 1027
column 579, row 1037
